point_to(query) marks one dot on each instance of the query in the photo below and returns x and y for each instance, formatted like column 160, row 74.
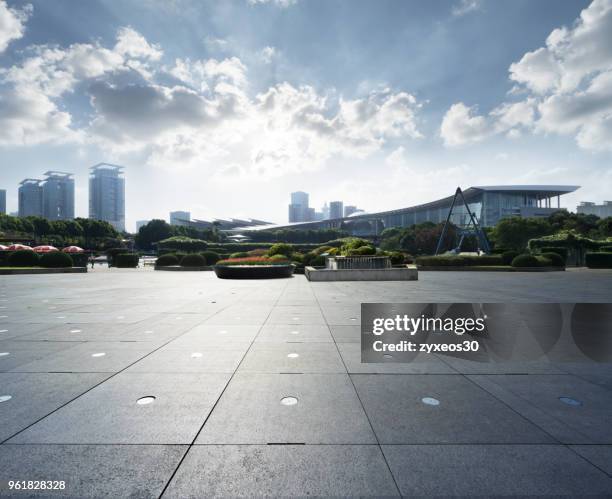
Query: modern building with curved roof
column 488, row 203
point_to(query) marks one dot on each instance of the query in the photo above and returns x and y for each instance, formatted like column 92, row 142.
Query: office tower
column 349, row 210
column 335, row 209
column 30, row 198
column 601, row 210
column 58, row 196
column 107, row 194
column 141, row 223
column 298, row 209
column 325, row 211
column 180, row 218
column 3, row 201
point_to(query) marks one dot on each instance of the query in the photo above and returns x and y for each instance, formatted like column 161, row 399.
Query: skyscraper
column 180, row 217
column 349, row 210
column 336, row 209
column 298, row 209
column 30, row 196
column 58, row 196
column 107, row 194
column 2, row 201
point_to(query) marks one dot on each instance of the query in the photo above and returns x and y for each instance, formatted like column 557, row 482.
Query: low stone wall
column 72, row 270
column 390, row 274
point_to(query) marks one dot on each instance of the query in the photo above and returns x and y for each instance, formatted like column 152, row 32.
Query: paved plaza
column 141, row 383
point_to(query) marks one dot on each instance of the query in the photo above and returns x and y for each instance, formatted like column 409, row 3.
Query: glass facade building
column 107, row 194
column 58, row 196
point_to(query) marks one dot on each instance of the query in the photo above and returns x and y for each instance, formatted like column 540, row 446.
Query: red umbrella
column 73, row 249
column 17, row 247
column 3, row 248
column 44, row 249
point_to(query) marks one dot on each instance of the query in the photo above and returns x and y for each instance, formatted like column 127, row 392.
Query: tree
column 515, row 232
column 156, row 230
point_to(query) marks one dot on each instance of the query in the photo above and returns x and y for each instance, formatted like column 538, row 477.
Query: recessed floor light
column 430, row 401
column 3, row 330
column 387, row 356
column 61, row 317
column 75, row 330
column 148, row 332
column 149, row 399
column 353, row 318
column 295, row 332
column 3, row 316
column 121, row 317
column 223, row 331
column 98, row 354
column 296, row 318
column 4, row 354
column 293, row 355
column 570, row 401
column 4, row 398
column 289, row 401
column 196, row 355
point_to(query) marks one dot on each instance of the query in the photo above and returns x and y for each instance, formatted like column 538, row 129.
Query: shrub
column 56, row 259
column 126, row 260
column 211, row 257
column 240, row 254
column 525, row 261
column 297, row 257
column 24, row 258
column 361, row 250
column 556, row 260
column 167, row 260
column 79, row 259
column 408, row 258
column 181, row 243
column 562, row 252
column 458, row 261
column 281, row 249
column 352, row 243
column 255, row 260
column 322, row 249
column 193, row 260
column 258, row 252
column 508, row 256
column 278, row 258
column 111, row 253
column 396, row 257
column 599, row 260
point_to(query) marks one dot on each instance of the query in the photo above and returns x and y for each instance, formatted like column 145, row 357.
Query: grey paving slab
column 221, row 334
column 92, row 470
column 589, row 421
column 14, row 354
column 33, row 396
column 467, row 366
column 422, row 364
column 493, row 471
column 293, row 358
column 16, row 331
column 110, row 414
column 346, row 334
column 597, row 373
column 294, row 332
column 170, row 359
column 94, row 356
column 465, row 413
column 251, row 412
column 287, row 470
column 598, row 455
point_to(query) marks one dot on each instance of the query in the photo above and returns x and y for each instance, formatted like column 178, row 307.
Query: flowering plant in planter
column 255, row 260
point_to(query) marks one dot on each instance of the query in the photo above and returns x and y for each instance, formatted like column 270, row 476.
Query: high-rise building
column 349, row 210
column 299, row 210
column 30, row 194
column 336, row 209
column 107, row 194
column 3, row 201
column 141, row 223
column 180, row 218
column 601, row 210
column 58, row 196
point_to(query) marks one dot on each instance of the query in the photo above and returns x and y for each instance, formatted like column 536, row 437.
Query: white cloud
column 130, row 43
column 568, row 84
column 279, row 3
column 12, row 23
column 464, row 7
column 267, row 54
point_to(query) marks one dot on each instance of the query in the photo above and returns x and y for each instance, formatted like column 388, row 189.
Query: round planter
column 253, row 271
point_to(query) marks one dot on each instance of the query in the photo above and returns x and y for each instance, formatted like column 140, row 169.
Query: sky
column 223, row 108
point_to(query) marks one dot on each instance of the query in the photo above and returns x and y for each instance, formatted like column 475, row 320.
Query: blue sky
column 224, row 107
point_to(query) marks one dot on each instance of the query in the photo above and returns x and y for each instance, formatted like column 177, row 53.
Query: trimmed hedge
column 459, row 261
column 278, row 258
column 193, row 260
column 508, row 256
column 126, row 260
column 281, row 249
column 24, row 258
column 211, row 257
column 168, row 260
column 602, row 260
column 239, row 254
column 396, row 257
column 556, row 260
column 360, row 251
column 180, row 243
column 56, row 260
column 559, row 250
column 526, row 261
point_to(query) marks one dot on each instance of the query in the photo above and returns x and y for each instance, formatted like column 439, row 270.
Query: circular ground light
column 98, row 354
column 4, row 398
column 148, row 332
column 223, row 332
column 387, row 356
column 293, row 355
column 430, row 401
column 196, row 355
column 295, row 332
column 353, row 318
column 289, row 401
column 3, row 330
column 75, row 330
column 4, row 354
column 570, row 401
column 149, row 399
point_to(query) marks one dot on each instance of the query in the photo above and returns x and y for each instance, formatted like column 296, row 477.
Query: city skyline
column 249, row 101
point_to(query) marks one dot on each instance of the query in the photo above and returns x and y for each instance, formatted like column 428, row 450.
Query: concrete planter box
column 486, row 268
column 389, row 274
column 253, row 271
column 178, row 268
column 68, row 270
